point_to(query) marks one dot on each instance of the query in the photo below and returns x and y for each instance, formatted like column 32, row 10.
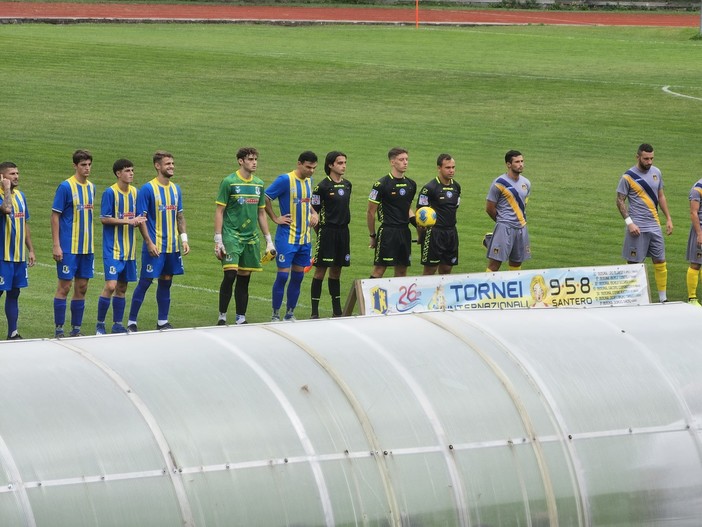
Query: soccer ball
column 425, row 217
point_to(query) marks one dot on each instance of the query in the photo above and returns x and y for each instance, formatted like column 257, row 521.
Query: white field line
column 667, row 89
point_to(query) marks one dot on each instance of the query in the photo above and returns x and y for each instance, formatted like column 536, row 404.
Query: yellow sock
column 488, row 270
column 517, row 268
column 660, row 274
column 693, row 279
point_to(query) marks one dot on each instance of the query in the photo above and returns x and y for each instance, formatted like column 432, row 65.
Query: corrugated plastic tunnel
column 570, row 417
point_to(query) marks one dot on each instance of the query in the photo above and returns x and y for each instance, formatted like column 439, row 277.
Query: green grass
column 576, row 101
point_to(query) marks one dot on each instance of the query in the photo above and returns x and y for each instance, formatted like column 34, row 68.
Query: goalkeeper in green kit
column 240, row 205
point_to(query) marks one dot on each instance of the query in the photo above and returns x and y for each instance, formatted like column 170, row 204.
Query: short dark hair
column 160, row 155
column 245, row 152
column 644, row 147
column 394, row 152
column 307, row 157
column 81, row 155
column 5, row 165
column 443, row 157
column 330, row 159
column 120, row 165
column 511, row 155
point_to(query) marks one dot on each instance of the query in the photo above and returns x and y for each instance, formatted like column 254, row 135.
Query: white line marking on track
column 667, row 89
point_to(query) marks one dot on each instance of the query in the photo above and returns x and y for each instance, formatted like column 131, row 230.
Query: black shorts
column 333, row 247
column 440, row 246
column 393, row 247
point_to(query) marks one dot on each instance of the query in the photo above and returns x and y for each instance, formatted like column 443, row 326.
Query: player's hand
column 136, row 220
column 373, row 243
column 57, row 253
column 669, row 227
column 153, row 250
column 31, row 259
column 285, row 219
column 186, row 248
column 634, row 229
column 314, row 220
column 6, row 184
column 220, row 251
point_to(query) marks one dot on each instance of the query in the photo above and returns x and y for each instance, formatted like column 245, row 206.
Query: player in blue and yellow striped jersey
column 119, row 218
column 293, row 239
column 72, row 234
column 161, row 201
column 642, row 185
column 16, row 244
column 506, row 205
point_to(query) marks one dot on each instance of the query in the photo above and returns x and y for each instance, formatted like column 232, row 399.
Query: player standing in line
column 293, row 239
column 14, row 238
column 331, row 199
column 506, row 205
column 391, row 199
column 118, row 217
column 440, row 242
column 161, row 201
column 240, row 204
column 642, row 184
column 72, row 234
column 694, row 243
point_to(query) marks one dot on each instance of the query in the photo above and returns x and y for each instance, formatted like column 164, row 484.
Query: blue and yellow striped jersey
column 13, row 229
column 74, row 202
column 161, row 204
column 119, row 241
column 295, row 198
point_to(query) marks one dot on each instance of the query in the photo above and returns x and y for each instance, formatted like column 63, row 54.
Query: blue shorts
column 163, row 264
column 12, row 274
column 120, row 270
column 289, row 255
column 75, row 266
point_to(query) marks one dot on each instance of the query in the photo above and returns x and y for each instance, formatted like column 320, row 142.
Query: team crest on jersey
column 632, row 253
column 449, row 194
column 379, row 296
column 65, row 269
column 149, row 268
column 496, row 251
column 655, row 177
column 341, row 192
column 402, row 192
column 113, row 269
column 699, row 255
column 2, row 280
column 524, row 187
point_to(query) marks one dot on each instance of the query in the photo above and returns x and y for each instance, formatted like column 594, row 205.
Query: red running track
column 68, row 12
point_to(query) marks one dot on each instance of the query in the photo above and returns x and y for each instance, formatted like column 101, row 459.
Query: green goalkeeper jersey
column 242, row 200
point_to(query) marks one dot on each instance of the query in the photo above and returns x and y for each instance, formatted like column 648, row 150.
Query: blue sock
column 138, row 297
column 103, row 306
column 77, row 310
column 294, row 288
column 59, row 311
column 279, row 289
column 12, row 310
column 163, row 298
column 119, row 303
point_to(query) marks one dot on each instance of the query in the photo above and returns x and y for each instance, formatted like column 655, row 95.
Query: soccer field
column 576, row 101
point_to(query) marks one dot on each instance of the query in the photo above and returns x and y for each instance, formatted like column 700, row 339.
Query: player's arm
column 630, row 225
column 284, row 219
column 180, row 221
column 6, row 206
column 57, row 252
column 695, row 220
column 219, row 250
column 370, row 221
column 663, row 203
column 263, row 225
column 491, row 209
column 31, row 258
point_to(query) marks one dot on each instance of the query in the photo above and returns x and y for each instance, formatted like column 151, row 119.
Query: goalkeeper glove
column 270, row 253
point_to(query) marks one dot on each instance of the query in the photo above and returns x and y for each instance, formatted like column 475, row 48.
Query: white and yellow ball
column 426, row 217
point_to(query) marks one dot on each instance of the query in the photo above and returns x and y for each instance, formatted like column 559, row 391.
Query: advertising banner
column 618, row 285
